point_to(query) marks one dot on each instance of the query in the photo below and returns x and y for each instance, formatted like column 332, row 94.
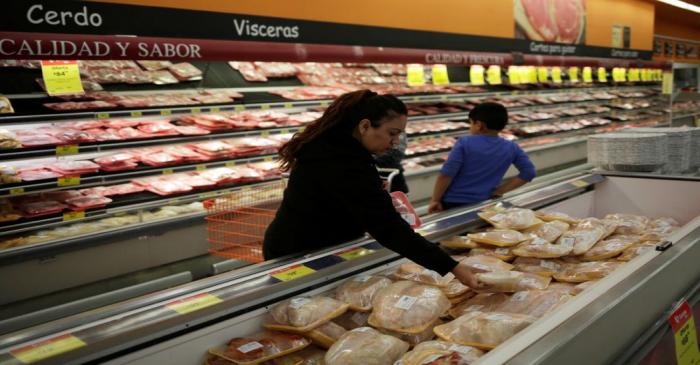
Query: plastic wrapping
column 483, row 302
column 88, row 202
column 586, row 271
column 483, row 330
column 538, row 266
column 501, row 237
column 302, row 314
column 609, row 226
column 549, row 216
column 326, row 334
column 351, row 319
column 455, row 288
column 610, row 247
column 511, row 218
column 628, row 223
column 408, row 307
column 440, row 353
column 582, row 239
column 260, row 347
column 365, row 346
column 564, row 288
column 635, row 250
column 501, row 253
column 485, row 263
column 459, row 243
column 414, row 338
column 359, row 291
column 534, row 303
column 549, row 231
column 512, row 281
column 414, row 272
column 541, row 248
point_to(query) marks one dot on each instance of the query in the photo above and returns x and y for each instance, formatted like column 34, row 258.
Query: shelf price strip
column 194, row 303
column 354, row 253
column 48, row 348
column 68, row 149
column 684, row 335
column 292, row 272
column 73, row 216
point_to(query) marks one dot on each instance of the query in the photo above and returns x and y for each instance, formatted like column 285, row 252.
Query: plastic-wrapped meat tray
column 122, row 123
column 168, row 187
column 38, row 140
column 123, row 189
column 184, row 153
column 75, row 167
column 41, row 208
column 117, row 159
column 160, row 159
column 88, row 202
column 185, row 71
column 61, row 196
column 191, row 130
column 132, row 133
column 38, row 174
column 160, row 128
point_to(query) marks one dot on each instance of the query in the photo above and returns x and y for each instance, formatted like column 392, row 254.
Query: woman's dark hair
column 342, row 116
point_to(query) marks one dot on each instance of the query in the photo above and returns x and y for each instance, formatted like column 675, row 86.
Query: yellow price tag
column 556, row 75
column 73, row 216
column 61, row 77
column 68, row 149
column 265, row 133
column 415, row 75
column 196, row 110
column 268, row 159
column 194, row 303
column 284, row 130
column 440, row 76
column 685, row 335
column 239, row 108
column 136, row 113
column 16, row 191
column 68, row 181
column 46, row 349
column 201, row 167
column 325, row 103
column 355, row 253
column 579, row 183
column 587, row 74
column 230, row 164
column 215, row 109
column 602, row 74
column 542, row 74
column 619, row 74
column 265, row 106
column 476, row 75
column 633, row 74
column 102, row 115
column 288, row 105
column 421, row 232
column 513, row 75
column 292, row 272
column 573, row 74
column 667, row 83
column 168, row 171
column 493, row 75
column 166, row 112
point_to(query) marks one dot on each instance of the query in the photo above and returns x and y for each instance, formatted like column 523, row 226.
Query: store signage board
column 415, row 75
column 292, row 272
column 476, row 75
column 194, row 303
column 47, row 349
column 685, row 335
column 61, row 77
column 440, row 76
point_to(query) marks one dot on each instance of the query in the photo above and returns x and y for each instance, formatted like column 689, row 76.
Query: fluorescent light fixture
column 682, row 5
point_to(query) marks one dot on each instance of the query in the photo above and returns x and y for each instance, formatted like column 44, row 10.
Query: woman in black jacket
column 335, row 194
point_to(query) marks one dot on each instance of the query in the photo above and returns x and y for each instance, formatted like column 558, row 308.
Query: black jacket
column 335, row 195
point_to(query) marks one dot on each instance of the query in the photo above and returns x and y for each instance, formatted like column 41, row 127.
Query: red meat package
column 191, row 130
column 132, row 133
column 40, row 208
column 209, row 121
column 267, row 169
column 249, row 174
column 79, row 167
column 227, row 92
column 61, row 196
column 38, row 174
column 159, row 159
column 213, row 148
column 185, row 71
column 123, row 189
column 88, row 202
column 108, row 134
column 404, row 207
column 87, row 124
column 184, row 153
column 38, row 140
column 122, row 123
column 117, row 159
column 222, row 175
column 159, row 127
column 196, row 181
column 121, row 167
column 168, row 187
column 97, row 190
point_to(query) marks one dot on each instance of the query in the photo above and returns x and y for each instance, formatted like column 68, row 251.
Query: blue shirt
column 477, row 165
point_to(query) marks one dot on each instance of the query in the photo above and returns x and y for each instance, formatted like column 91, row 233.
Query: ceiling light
column 682, row 5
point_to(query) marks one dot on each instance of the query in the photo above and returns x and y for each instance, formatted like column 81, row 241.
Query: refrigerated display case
column 603, row 324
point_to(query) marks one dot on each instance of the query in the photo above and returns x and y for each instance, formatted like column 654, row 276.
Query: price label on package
column 476, row 75
column 440, row 76
column 685, row 335
column 513, row 75
column 46, row 349
column 73, row 216
column 68, row 181
column 194, row 303
column 61, row 77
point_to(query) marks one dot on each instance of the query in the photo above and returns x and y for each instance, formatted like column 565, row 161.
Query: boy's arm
column 443, row 182
column 449, row 170
column 527, row 173
column 512, row 184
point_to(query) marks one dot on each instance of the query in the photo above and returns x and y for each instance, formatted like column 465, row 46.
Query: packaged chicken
column 326, row 334
column 564, row 288
column 534, row 303
column 260, row 347
column 501, row 253
column 500, row 237
column 302, row 314
column 440, row 353
column 461, row 298
column 459, row 243
column 310, row 355
column 586, row 271
column 359, row 291
column 538, row 266
column 635, row 250
column 579, row 288
column 608, row 226
column 351, row 319
column 408, row 307
column 663, row 222
column 511, row 218
column 549, row 231
column 414, row 338
column 482, row 302
column 455, row 288
column 541, row 248
column 483, row 330
column 365, row 346
column 414, row 272
column 512, row 281
column 608, row 248
column 485, row 263
column 549, row 216
column 628, row 223
column 581, row 238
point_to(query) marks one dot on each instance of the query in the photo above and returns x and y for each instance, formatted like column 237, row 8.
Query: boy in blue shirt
column 477, row 163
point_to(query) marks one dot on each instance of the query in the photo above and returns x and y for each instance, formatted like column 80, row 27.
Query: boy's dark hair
column 494, row 115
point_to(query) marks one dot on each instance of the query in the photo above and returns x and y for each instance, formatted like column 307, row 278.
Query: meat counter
column 615, row 312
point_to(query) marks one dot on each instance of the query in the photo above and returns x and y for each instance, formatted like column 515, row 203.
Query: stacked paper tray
column 642, row 152
column 678, row 149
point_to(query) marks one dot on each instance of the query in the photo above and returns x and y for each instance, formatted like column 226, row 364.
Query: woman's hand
column 467, row 276
column 434, row 207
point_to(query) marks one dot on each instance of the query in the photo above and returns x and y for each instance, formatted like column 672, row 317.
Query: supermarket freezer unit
column 614, row 321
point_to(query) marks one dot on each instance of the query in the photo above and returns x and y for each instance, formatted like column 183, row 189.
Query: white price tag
column 250, row 346
column 405, row 302
column 297, row 303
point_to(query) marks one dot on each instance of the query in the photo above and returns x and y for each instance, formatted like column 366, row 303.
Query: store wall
column 636, row 14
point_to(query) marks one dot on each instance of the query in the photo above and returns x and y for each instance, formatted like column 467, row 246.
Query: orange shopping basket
column 236, row 222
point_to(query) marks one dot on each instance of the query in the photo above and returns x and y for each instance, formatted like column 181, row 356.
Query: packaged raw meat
column 190, row 130
column 168, row 187
column 440, row 353
column 563, row 288
column 80, row 105
column 154, row 65
column 184, row 153
column 483, row 330
column 549, row 216
column 74, row 136
column 586, row 271
column 500, row 237
column 160, row 159
column 213, row 148
column 326, row 334
column 512, row 281
column 38, row 140
column 408, row 307
column 583, row 286
column 351, row 319
column 132, row 133
column 359, row 291
column 365, row 346
column 635, row 250
column 510, row 218
column 121, row 167
column 248, row 174
column 663, row 222
column 501, row 253
column 108, row 134
column 455, row 289
column 161, row 128
column 248, row 71
column 194, row 180
column 61, row 195
column 41, row 208
column 459, row 243
column 221, row 175
column 549, row 231
column 414, row 272
column 629, row 223
column 260, row 347
column 97, row 190
column 79, row 167
column 121, row 123
column 534, row 303
column 116, row 159
column 485, row 264
column 185, row 71
column 582, row 239
column 608, row 226
column 541, row 248
column 86, row 124
column 414, row 338
column 163, row 77
column 38, row 174
column 123, row 189
column 482, row 302
column 610, row 247
column 302, row 314
column 88, row 202
column 8, row 140
column 538, row 266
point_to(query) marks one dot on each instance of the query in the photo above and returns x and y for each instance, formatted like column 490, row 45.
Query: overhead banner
column 61, row 17
column 561, row 21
